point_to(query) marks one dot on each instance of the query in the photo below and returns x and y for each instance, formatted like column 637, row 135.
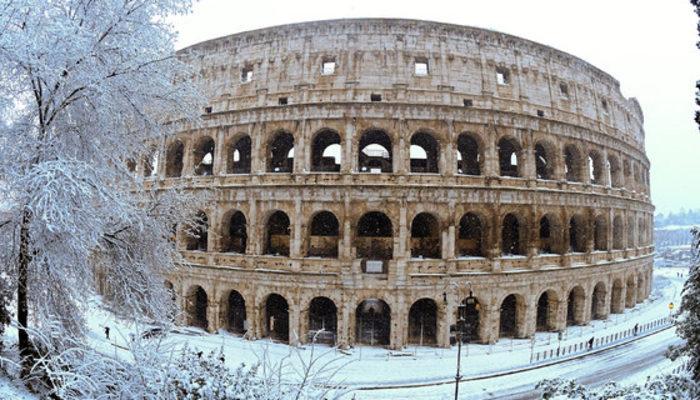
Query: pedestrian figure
column 636, row 328
column 107, row 332
column 590, row 343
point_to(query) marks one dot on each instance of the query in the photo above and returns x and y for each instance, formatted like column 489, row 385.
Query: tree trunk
column 25, row 347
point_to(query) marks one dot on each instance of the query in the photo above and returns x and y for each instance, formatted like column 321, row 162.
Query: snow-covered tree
column 86, row 88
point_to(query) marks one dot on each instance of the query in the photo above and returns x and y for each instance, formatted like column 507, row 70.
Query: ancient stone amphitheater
column 370, row 175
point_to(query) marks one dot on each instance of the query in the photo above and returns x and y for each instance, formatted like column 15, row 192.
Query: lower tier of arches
column 289, row 308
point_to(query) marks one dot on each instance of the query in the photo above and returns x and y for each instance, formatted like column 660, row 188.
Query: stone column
column 491, row 167
column 529, row 169
column 296, row 235
column 399, row 317
column 219, row 167
column 187, row 158
column 489, row 323
column 259, row 150
column 294, row 326
column 448, row 163
column 300, row 158
column 213, row 314
column 348, row 161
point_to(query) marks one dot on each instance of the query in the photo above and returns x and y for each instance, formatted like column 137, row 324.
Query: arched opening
column 470, row 238
column 174, row 159
column 422, row 322
column 425, row 237
column 234, row 236
column 600, row 233
column 509, row 316
column 572, row 164
column 375, row 237
column 598, row 310
column 277, row 234
column 618, row 235
column 323, row 241
column 236, row 316
column 595, row 168
column 575, row 306
column 543, row 164
column 375, row 152
column 150, row 163
column 323, row 320
column 641, row 241
column 509, row 157
column 197, row 304
column 617, row 305
column 197, row 236
column 326, row 152
column 547, row 311
column 280, row 153
column 631, row 237
column 615, row 171
column 510, row 236
column 548, row 234
column 239, row 156
column 204, row 156
column 468, row 155
column 277, row 318
column 373, row 322
column 470, row 309
column 631, row 291
column 577, row 234
column 424, row 153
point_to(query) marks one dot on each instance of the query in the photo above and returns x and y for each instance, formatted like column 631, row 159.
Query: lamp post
column 461, row 329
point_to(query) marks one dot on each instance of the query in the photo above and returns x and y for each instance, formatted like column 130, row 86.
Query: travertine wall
column 545, row 97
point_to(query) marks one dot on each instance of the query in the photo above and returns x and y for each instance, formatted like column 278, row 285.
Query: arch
column 575, row 306
column 235, row 313
column 425, row 237
column 323, row 240
column 277, row 317
column 374, row 239
column 204, row 156
column 234, row 235
column 280, row 153
column 631, row 291
column 641, row 238
column 422, row 322
column 511, row 313
column 631, row 237
column 197, row 236
column 277, row 234
column 511, row 243
column 544, row 160
column 470, row 313
column 150, row 162
column 375, row 152
column 469, row 157
column 547, row 311
column 470, row 239
column 197, row 307
column 598, row 310
column 573, row 163
column 426, row 160
column 615, row 171
column 640, row 288
column 373, row 322
column 509, row 157
column 549, row 234
column 239, row 156
column 326, row 151
column 174, row 159
column 323, row 320
column 618, row 235
column 577, row 234
column 595, row 168
column 617, row 305
column 600, row 233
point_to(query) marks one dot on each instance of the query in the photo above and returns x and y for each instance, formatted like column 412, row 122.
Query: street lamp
column 460, row 330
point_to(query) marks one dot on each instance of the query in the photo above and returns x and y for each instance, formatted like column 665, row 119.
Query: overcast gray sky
column 648, row 45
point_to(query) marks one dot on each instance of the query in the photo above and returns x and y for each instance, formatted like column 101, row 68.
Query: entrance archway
column 277, row 317
column 197, row 304
column 323, row 319
column 373, row 323
column 422, row 322
column 236, row 316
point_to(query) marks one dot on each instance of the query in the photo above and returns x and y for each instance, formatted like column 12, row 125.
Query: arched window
column 375, row 152
column 547, row 311
column 326, row 152
column 615, row 171
column 234, row 236
column 424, row 153
column 618, row 234
column 277, row 234
column 575, row 306
column 600, row 233
column 598, row 310
column 511, row 315
column 470, row 239
column 549, row 231
column 204, row 156
column 197, row 235
column 174, row 159
column 277, row 318
column 468, row 155
column 323, row 241
column 235, row 315
column 617, row 304
column 577, row 234
column 197, row 304
column 509, row 157
column 425, row 237
column 280, row 153
column 595, row 168
column 374, row 239
column 572, row 164
column 510, row 236
column 543, row 163
column 239, row 156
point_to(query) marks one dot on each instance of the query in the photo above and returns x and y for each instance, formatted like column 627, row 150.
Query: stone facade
column 466, row 162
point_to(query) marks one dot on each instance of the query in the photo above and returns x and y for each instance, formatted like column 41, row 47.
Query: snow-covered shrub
column 664, row 387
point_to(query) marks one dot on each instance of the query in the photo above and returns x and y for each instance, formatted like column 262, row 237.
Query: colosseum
column 375, row 179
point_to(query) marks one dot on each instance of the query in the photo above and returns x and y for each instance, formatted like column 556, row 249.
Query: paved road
column 636, row 359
